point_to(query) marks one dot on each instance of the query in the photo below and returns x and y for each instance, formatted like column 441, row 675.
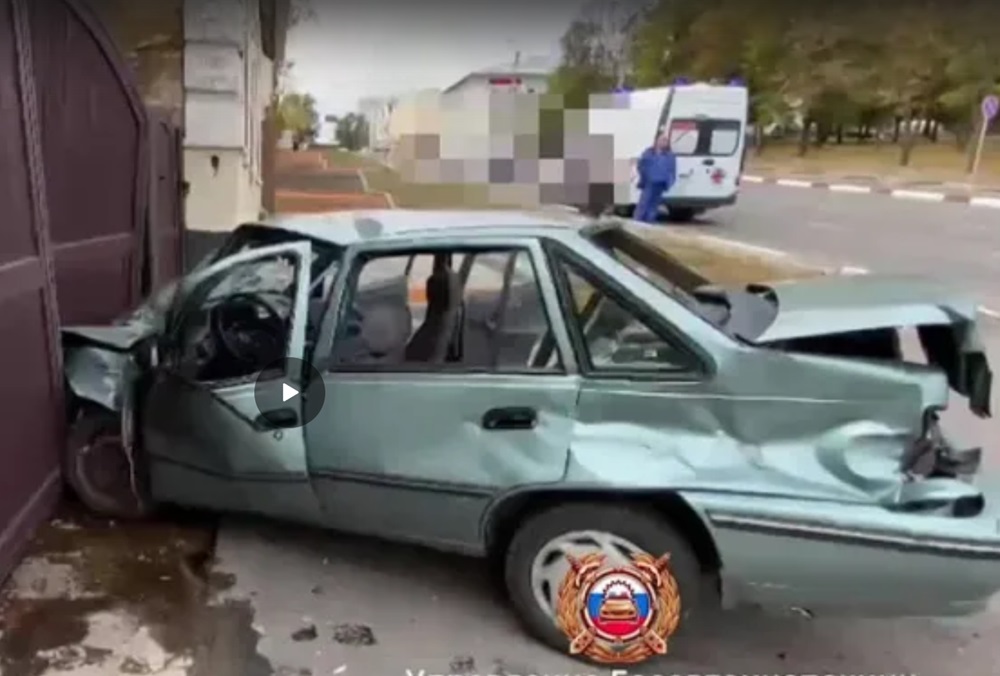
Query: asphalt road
column 955, row 242
column 331, row 604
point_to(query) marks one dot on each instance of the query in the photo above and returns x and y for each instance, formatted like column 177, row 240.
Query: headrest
column 442, row 288
column 385, row 329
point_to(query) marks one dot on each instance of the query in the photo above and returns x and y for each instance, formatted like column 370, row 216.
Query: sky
column 351, row 49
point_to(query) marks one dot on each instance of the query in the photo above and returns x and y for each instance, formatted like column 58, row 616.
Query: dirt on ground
column 95, row 596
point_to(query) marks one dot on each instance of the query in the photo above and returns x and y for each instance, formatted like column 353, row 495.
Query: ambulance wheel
column 681, row 215
column 536, row 563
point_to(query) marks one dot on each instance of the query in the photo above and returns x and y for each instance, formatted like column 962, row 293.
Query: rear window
column 685, row 136
column 704, row 136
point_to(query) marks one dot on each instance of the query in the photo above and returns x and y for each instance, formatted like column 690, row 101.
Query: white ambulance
column 706, row 125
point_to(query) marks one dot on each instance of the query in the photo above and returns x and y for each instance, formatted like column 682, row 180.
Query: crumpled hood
column 146, row 320
column 944, row 318
column 839, row 304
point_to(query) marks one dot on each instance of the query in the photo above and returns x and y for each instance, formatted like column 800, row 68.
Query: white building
column 377, row 111
column 228, row 84
column 529, row 75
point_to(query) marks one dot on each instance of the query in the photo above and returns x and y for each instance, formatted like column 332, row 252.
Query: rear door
column 709, row 153
column 707, row 132
column 414, row 447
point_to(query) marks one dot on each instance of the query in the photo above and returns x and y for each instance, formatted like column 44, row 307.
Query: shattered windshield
column 250, row 237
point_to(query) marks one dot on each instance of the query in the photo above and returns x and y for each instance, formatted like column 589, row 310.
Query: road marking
column 846, row 187
column 364, row 180
column 753, row 248
column 853, row 270
column 793, row 183
column 992, row 202
column 993, row 314
column 752, row 179
column 919, row 195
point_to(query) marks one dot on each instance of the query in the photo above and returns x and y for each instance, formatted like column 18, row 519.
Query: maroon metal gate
column 72, row 199
column 30, row 390
column 94, row 143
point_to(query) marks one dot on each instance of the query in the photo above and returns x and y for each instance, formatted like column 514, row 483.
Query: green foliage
column 351, row 131
column 297, row 114
column 853, row 63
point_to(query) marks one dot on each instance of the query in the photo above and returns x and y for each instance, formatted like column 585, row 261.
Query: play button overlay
column 289, row 393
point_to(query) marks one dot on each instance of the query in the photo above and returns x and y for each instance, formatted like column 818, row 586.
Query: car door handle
column 511, row 418
column 708, row 163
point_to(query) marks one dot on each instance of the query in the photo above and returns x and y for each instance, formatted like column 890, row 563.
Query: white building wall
column 228, row 85
column 378, row 112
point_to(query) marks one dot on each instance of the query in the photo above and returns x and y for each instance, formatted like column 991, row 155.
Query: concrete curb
column 389, row 199
column 900, row 193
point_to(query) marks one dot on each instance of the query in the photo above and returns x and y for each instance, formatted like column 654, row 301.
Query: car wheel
column 98, row 469
column 680, row 215
column 536, row 561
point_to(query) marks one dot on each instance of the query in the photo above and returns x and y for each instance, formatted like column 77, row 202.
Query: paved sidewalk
column 308, row 184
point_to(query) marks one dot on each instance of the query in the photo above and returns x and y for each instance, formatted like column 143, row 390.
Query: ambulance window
column 684, row 137
column 724, row 137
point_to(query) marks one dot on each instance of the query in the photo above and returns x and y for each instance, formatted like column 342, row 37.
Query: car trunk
column 860, row 316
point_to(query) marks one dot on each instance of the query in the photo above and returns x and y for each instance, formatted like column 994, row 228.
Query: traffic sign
column 990, row 106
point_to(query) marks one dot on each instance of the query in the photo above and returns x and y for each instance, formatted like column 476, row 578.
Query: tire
column 681, row 215
column 648, row 531
column 97, row 469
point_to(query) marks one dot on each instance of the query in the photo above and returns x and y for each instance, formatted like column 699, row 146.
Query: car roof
column 348, row 227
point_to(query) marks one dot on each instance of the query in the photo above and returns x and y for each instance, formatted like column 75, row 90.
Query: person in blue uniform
column 657, row 169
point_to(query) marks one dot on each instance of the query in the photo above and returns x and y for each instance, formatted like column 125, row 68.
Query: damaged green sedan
column 520, row 386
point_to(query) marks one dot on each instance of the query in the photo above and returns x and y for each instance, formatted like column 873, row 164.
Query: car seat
column 442, row 321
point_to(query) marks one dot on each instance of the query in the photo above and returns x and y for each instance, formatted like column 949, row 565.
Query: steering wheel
column 249, row 329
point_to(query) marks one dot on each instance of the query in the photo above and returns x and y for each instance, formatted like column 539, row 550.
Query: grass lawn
column 942, row 161
column 721, row 264
column 343, row 159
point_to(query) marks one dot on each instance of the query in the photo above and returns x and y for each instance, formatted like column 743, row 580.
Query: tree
column 297, row 114
column 829, row 66
column 580, row 72
column 351, row 131
column 661, row 47
column 972, row 72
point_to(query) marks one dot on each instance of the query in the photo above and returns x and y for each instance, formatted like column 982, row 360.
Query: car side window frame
column 559, row 256
column 346, row 286
column 167, row 345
